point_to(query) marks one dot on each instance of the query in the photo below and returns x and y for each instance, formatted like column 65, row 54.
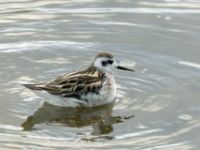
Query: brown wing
column 74, row 84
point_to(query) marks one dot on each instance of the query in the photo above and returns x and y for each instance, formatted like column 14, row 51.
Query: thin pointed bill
column 124, row 68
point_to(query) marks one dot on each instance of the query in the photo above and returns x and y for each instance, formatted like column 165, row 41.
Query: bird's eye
column 105, row 63
column 110, row 61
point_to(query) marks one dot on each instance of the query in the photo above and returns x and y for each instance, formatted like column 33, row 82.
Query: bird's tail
column 34, row 86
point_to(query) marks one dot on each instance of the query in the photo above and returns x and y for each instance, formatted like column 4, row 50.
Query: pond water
column 158, row 106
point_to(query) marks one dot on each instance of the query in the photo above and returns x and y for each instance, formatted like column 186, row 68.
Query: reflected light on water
column 171, row 4
column 36, row 45
column 121, row 10
column 190, row 64
column 57, row 60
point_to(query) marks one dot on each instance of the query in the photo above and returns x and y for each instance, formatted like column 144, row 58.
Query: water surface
column 158, row 105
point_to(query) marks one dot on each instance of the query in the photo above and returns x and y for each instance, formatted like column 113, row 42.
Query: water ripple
column 36, row 45
column 157, row 105
column 120, row 10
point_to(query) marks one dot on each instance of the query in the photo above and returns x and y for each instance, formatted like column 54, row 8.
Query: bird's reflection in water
column 100, row 118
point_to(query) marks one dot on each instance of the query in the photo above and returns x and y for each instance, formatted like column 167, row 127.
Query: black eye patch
column 110, row 61
column 105, row 63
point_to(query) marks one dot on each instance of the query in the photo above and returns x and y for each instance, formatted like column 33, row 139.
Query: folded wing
column 72, row 85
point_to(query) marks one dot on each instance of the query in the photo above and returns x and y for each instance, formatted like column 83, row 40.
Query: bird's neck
column 93, row 68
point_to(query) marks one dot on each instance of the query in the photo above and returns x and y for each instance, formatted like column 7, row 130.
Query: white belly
column 58, row 100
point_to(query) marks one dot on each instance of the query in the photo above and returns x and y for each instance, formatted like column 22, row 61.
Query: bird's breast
column 109, row 88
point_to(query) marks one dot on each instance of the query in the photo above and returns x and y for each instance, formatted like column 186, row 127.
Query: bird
column 93, row 86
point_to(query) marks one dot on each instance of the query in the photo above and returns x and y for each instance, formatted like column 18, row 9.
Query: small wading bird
column 91, row 87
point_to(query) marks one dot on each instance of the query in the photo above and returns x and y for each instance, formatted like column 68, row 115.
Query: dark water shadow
column 100, row 118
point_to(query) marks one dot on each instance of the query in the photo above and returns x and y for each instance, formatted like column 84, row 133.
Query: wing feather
column 75, row 84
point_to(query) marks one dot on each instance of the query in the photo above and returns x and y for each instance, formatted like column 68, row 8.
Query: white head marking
column 105, row 62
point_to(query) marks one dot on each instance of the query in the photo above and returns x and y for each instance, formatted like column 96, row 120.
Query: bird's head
column 106, row 62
